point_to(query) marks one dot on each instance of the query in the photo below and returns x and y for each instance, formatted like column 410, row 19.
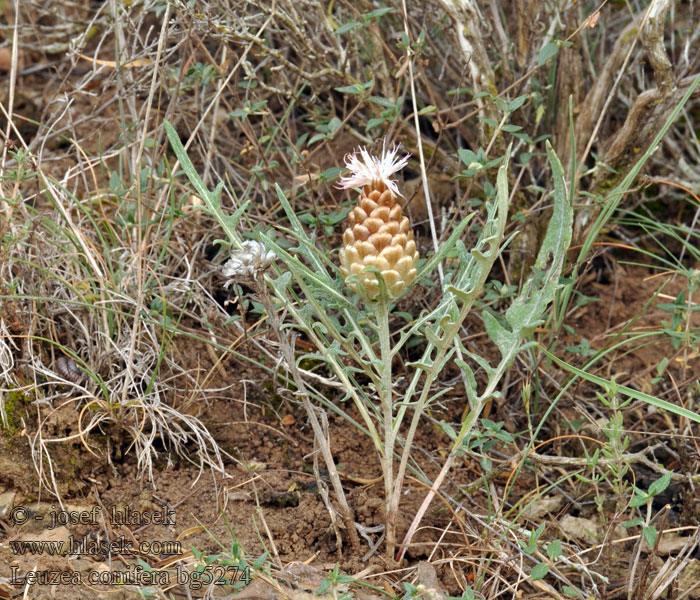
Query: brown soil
column 268, row 500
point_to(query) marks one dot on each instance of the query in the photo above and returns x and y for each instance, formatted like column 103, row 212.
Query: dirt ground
column 268, row 499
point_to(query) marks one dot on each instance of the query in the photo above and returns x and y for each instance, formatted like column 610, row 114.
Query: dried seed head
column 379, row 234
column 247, row 262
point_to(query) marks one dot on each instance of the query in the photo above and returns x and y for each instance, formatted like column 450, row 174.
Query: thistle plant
column 346, row 311
column 378, row 260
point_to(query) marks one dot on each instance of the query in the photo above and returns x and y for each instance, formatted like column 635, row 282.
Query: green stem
column 387, row 407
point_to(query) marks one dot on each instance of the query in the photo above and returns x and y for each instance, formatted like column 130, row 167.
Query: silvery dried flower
column 379, row 234
column 247, row 262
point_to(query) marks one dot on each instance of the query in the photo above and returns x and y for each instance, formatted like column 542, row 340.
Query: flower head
column 367, row 169
column 247, row 262
column 379, row 236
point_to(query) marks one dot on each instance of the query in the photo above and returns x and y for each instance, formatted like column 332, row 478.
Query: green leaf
column 300, row 233
column 331, row 173
column 144, row 565
column 375, row 122
column 616, row 195
column 212, row 200
column 632, row 523
column 539, row 571
column 239, row 113
column 639, row 500
column 516, row 103
column 660, row 484
column 334, row 124
column 467, row 156
column 444, row 248
column 379, row 12
column 502, row 337
column 525, row 313
column 547, row 52
column 347, row 27
column 554, row 550
column 448, row 429
column 355, row 88
column 260, row 561
column 427, row 110
column 323, row 587
column 385, row 102
column 650, row 535
column 629, row 392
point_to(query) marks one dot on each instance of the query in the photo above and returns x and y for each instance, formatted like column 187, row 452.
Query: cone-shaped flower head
column 379, row 234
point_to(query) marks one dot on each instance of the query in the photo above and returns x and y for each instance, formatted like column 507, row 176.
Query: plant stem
column 387, row 408
column 465, row 430
column 323, row 442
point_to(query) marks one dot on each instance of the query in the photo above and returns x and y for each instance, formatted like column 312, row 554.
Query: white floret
column 365, row 168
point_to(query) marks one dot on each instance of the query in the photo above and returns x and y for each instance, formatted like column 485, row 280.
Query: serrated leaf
column 525, row 313
column 481, row 361
column 211, row 199
column 465, row 296
column 280, row 283
column 498, row 334
column 444, row 248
